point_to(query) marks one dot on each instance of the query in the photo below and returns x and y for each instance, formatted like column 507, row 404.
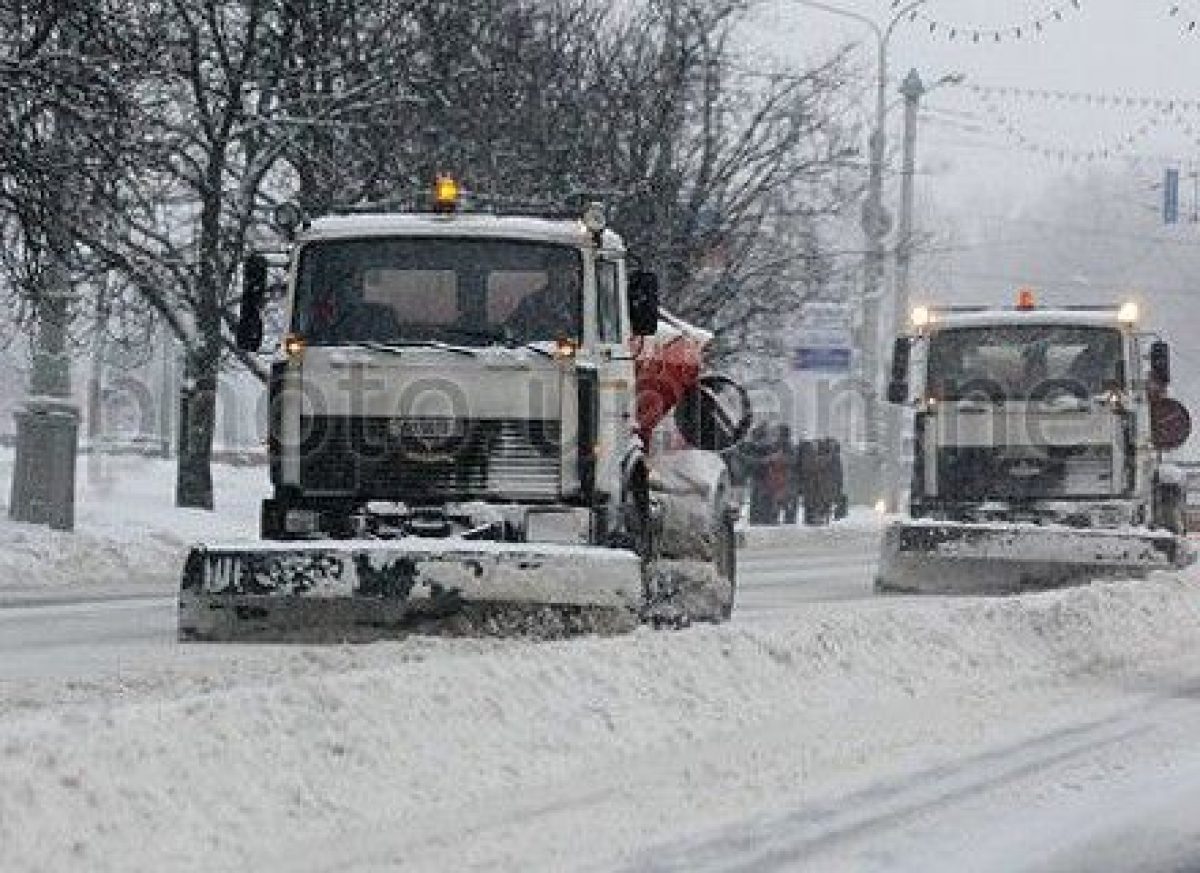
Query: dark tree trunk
column 197, row 422
column 202, row 363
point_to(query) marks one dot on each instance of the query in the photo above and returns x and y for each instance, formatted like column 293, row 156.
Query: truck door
column 615, row 373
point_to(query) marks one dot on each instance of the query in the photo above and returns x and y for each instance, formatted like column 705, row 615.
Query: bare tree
column 226, row 106
column 177, row 223
column 726, row 163
column 59, row 101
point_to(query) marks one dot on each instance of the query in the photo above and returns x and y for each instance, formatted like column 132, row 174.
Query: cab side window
column 608, row 309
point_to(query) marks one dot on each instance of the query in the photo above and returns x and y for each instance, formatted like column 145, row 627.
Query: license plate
column 427, row 429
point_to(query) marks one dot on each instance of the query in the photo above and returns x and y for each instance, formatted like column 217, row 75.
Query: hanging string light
column 1189, row 125
column 1193, row 23
column 1088, row 98
column 969, row 33
column 1122, row 146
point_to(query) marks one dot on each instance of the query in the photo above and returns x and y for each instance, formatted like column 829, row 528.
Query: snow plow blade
column 360, row 590
column 997, row 558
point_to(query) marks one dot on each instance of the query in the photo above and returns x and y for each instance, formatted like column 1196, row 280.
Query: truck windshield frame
column 1024, row 362
column 459, row 290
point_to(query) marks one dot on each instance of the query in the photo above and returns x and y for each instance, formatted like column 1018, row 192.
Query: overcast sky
column 1105, row 47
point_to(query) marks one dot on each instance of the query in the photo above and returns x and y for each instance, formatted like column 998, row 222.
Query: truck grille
column 977, row 473
column 426, row 460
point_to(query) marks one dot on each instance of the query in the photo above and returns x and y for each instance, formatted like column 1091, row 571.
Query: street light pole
column 913, row 90
column 876, row 225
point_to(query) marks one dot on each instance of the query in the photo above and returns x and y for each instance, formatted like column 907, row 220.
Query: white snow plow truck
column 458, row 418
column 1038, row 437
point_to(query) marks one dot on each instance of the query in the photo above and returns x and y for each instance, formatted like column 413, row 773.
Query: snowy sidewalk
column 129, row 538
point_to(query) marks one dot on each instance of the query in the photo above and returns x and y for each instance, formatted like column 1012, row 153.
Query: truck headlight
column 921, row 317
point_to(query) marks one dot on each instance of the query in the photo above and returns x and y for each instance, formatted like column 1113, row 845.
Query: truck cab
column 1040, row 415
column 452, row 372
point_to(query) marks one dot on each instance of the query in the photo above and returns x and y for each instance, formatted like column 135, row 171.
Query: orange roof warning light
column 445, row 194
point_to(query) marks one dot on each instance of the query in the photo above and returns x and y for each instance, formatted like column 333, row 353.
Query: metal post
column 912, row 89
column 876, row 224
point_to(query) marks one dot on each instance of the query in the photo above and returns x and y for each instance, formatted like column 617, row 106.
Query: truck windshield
column 1023, row 362
column 462, row 291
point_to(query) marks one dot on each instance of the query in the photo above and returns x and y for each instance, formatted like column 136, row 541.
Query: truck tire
column 1170, row 508
column 635, row 523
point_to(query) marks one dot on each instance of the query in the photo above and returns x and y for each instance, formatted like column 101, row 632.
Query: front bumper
column 935, row 556
column 243, row 590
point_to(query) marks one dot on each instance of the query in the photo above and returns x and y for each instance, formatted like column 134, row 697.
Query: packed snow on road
column 855, row 733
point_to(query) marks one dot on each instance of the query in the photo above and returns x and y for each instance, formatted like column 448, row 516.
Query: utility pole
column 876, row 225
column 913, row 89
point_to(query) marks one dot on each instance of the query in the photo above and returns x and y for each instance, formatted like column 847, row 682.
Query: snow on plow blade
column 954, row 558
column 351, row 589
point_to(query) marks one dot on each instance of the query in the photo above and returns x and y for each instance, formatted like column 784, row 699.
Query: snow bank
column 128, row 532
column 431, row 755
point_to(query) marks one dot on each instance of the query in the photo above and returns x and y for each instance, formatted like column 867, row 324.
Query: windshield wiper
column 497, row 337
column 398, row 346
column 533, row 348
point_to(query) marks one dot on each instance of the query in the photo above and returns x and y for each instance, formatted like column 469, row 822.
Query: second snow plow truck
column 458, row 420
column 1038, row 436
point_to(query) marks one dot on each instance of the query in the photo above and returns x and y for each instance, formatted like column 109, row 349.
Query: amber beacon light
column 445, row 193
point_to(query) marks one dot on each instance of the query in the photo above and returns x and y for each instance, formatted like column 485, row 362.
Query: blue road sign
column 1171, row 197
column 824, row 360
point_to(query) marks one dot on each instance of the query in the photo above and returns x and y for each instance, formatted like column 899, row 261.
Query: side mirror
column 715, row 414
column 1160, row 363
column 254, row 294
column 901, row 356
column 643, row 303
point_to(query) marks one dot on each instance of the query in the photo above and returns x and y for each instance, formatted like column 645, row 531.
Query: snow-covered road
column 1040, row 733
column 1112, row 791
column 79, row 639
column 777, row 580
column 91, row 636
column 822, row 729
